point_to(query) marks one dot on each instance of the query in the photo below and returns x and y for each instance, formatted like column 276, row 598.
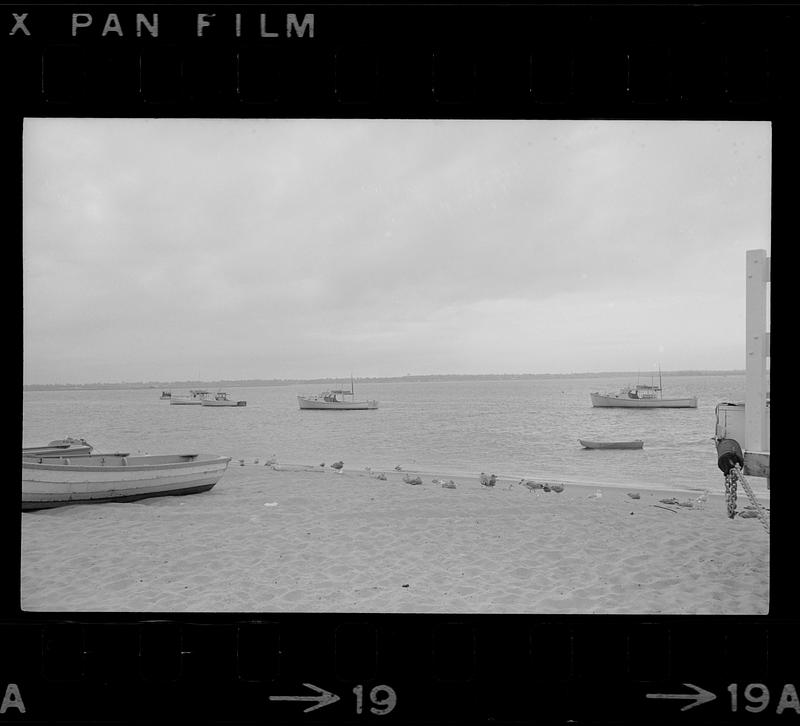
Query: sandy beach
column 292, row 538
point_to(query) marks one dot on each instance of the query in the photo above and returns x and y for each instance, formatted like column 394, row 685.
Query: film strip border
column 437, row 60
column 424, row 670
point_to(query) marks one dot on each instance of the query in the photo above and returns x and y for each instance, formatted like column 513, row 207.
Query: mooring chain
column 737, row 473
column 730, row 493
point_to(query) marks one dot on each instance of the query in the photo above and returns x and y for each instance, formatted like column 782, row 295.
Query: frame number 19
column 383, row 699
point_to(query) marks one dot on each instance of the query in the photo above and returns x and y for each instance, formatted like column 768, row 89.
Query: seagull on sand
column 488, row 481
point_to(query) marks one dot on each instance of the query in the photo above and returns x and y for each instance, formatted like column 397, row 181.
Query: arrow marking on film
column 323, row 698
column 701, row 695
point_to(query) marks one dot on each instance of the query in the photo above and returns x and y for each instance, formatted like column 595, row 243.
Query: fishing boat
column 60, row 447
column 96, row 478
column 635, row 444
column 195, row 398
column 336, row 400
column 222, row 399
column 641, row 396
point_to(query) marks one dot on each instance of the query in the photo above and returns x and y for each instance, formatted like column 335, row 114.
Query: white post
column 755, row 423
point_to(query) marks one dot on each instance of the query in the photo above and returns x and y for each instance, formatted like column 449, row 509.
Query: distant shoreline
column 166, row 385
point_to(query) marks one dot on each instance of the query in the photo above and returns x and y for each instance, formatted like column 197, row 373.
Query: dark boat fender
column 729, row 454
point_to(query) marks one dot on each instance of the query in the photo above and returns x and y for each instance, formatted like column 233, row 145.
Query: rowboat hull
column 637, row 444
column 600, row 400
column 320, row 405
column 57, row 482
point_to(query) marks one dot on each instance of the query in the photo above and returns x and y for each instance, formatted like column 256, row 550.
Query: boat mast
column 660, row 388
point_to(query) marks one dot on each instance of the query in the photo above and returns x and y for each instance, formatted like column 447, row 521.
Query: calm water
column 512, row 428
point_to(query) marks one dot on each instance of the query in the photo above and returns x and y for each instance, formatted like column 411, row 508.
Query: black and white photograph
column 396, row 366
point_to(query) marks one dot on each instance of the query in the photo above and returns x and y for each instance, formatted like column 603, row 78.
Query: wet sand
column 296, row 538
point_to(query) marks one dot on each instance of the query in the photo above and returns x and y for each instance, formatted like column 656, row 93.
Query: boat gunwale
column 52, row 463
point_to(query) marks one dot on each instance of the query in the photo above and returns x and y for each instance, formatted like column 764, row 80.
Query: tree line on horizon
column 409, row 378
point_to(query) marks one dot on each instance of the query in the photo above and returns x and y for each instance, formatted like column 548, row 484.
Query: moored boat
column 97, row 478
column 60, row 447
column 641, row 396
column 222, row 399
column 336, row 400
column 195, row 398
column 635, row 444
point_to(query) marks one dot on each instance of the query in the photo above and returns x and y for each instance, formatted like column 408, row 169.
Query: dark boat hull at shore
column 636, row 444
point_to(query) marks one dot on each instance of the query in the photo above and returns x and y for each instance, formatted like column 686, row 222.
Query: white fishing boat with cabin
column 222, row 399
column 641, row 396
column 59, row 481
column 336, row 400
column 195, row 398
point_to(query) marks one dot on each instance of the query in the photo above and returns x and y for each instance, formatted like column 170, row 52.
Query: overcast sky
column 174, row 249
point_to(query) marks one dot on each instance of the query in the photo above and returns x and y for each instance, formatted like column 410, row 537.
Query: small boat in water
column 60, row 447
column 96, row 478
column 222, row 399
column 635, row 444
column 336, row 400
column 195, row 398
column 166, row 394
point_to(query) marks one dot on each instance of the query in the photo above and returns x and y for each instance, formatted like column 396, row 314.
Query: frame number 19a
column 757, row 698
